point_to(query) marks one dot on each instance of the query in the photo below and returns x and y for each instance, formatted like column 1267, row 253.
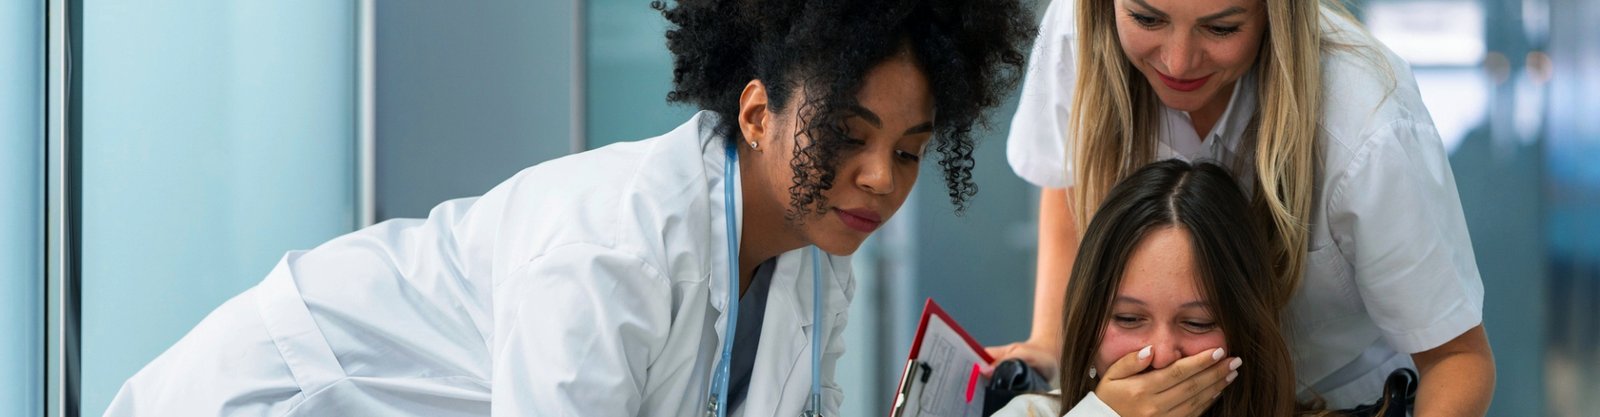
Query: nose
column 877, row 174
column 1164, row 349
column 1180, row 55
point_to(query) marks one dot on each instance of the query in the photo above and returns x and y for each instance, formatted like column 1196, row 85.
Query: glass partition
column 215, row 137
column 22, row 217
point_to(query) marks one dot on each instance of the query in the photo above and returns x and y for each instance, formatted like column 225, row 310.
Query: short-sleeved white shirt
column 1390, row 271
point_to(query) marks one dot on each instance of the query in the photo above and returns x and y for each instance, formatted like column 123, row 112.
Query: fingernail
column 1235, row 364
column 1144, row 353
column 1232, row 375
column 1216, row 355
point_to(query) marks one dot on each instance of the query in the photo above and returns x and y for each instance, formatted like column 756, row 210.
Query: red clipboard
column 908, row 377
column 930, row 309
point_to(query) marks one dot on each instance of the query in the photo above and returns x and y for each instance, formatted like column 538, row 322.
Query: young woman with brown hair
column 1172, row 262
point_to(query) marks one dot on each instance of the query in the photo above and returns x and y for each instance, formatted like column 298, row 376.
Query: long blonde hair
column 1115, row 120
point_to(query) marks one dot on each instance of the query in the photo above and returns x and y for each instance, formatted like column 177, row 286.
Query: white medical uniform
column 591, row 285
column 1035, row 405
column 1390, row 270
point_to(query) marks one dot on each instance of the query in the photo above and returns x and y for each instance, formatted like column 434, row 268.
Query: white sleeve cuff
column 1091, row 406
column 1457, row 321
column 1034, row 166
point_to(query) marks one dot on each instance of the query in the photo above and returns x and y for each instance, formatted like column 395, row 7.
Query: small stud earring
column 752, row 144
column 1092, row 373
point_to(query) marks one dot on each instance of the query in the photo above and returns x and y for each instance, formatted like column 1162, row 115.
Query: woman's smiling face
column 1159, row 304
column 1191, row 51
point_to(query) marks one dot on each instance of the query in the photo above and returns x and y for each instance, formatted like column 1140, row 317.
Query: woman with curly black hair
column 704, row 270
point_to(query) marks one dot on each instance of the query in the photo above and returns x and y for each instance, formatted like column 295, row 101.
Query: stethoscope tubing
column 719, row 384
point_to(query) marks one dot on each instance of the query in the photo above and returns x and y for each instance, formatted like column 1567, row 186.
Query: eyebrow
column 1225, row 13
column 1149, row 8
column 925, row 127
column 872, row 118
column 1131, row 300
column 1214, row 16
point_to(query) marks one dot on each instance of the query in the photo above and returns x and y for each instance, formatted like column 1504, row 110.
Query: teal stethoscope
column 717, row 406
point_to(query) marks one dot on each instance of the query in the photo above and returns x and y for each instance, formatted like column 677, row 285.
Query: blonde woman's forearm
column 1058, row 246
column 1457, row 377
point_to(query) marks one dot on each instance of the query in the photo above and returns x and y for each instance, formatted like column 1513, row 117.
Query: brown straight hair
column 1235, row 273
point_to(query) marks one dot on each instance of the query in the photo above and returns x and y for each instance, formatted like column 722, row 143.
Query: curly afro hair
column 972, row 52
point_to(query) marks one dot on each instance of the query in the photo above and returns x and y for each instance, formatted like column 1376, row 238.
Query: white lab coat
column 590, row 285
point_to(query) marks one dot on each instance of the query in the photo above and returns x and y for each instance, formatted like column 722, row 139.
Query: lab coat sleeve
column 1037, row 144
column 1396, row 218
column 576, row 329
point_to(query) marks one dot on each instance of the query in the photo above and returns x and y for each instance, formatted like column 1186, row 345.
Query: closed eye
column 908, row 156
column 1195, row 326
column 1144, row 20
column 1222, row 31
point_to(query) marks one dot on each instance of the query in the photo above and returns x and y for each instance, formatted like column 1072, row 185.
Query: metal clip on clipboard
column 915, row 375
column 943, row 374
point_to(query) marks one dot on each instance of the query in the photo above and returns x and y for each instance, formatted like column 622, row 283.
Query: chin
column 1188, row 102
column 843, row 246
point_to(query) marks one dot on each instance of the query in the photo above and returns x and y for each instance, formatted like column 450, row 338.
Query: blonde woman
column 1327, row 132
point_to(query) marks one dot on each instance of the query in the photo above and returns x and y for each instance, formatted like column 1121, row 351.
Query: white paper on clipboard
column 944, row 373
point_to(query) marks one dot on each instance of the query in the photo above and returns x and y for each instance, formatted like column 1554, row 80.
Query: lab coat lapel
column 714, row 158
column 782, row 373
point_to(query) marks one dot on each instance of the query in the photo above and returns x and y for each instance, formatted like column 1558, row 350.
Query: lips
column 862, row 220
column 1182, row 84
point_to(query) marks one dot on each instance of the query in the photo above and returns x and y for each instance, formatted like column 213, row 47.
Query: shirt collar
column 1229, row 130
column 702, row 127
column 1241, row 108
